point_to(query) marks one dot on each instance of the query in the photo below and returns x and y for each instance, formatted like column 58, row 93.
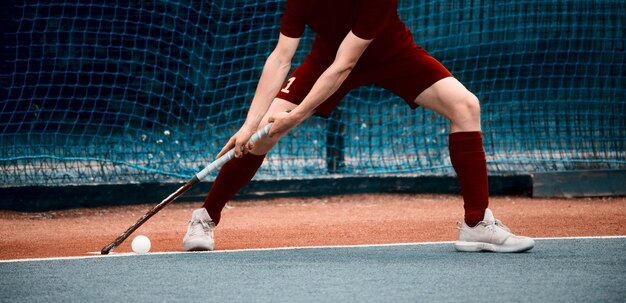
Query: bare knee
column 472, row 106
column 265, row 144
column 466, row 114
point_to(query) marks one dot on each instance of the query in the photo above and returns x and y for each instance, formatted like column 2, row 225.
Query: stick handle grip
column 231, row 153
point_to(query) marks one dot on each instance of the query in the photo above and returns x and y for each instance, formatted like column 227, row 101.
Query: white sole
column 198, row 246
column 482, row 246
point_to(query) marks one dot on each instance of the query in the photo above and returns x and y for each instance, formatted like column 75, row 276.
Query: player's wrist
column 298, row 114
column 250, row 126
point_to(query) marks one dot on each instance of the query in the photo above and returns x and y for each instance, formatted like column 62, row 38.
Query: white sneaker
column 199, row 232
column 490, row 235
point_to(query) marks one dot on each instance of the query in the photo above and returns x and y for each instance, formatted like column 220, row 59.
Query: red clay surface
column 337, row 220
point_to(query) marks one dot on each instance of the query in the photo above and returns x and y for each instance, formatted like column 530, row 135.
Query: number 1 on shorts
column 289, row 83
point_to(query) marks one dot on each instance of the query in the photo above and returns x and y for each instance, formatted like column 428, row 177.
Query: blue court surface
column 556, row 270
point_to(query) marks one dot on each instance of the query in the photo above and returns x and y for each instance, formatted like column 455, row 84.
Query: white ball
column 141, row 244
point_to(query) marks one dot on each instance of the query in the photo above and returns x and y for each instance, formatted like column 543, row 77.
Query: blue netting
column 117, row 92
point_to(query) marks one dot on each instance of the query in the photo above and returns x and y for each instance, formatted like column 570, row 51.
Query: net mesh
column 148, row 91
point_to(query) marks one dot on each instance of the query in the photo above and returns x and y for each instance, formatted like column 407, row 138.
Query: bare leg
column 451, row 99
column 264, row 145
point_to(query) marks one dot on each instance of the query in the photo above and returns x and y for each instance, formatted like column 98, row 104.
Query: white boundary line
column 113, row 254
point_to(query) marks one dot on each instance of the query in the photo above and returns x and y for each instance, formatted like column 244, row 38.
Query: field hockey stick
column 190, row 183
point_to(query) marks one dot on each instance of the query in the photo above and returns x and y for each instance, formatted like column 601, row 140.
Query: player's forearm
column 325, row 86
column 274, row 72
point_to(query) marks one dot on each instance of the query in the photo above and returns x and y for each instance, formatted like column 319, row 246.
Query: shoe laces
column 200, row 228
column 494, row 225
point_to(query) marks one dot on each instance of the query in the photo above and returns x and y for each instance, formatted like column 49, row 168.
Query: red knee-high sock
column 232, row 177
column 469, row 162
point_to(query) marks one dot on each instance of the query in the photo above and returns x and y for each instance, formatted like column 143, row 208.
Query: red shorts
column 407, row 77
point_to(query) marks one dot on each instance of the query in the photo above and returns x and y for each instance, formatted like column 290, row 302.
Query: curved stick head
column 107, row 249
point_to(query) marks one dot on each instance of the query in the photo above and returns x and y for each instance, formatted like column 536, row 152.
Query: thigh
column 451, row 99
column 444, row 97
